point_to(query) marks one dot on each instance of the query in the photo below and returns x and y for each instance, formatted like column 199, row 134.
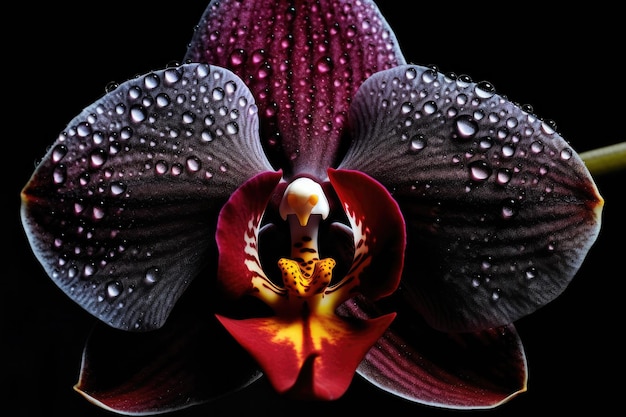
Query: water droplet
column 97, row 213
column 496, row 294
column 429, row 107
column 485, row 143
column 410, row 74
column 238, row 57
column 417, row 143
column 466, row 127
column 218, row 93
column 406, row 107
column 503, row 176
column 188, row 117
column 89, row 270
column 59, row 153
column 172, row 75
column 163, row 100
column 530, row 272
column 484, row 89
column 177, row 169
column 566, row 154
column 83, row 129
column 508, row 150
column 161, row 167
column 429, row 76
column 117, row 188
column 479, row 171
column 232, row 128
column 111, row 85
column 511, row 123
column 463, row 81
column 548, row 126
column 114, row 289
column 536, row 146
column 509, row 208
column 206, row 136
column 324, row 65
column 152, row 275
column 230, row 87
column 193, row 164
column 138, row 113
column 97, row 158
column 151, row 81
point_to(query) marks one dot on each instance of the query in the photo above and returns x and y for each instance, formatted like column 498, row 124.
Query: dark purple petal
column 463, row 370
column 303, row 62
column 122, row 209
column 500, row 210
column 190, row 360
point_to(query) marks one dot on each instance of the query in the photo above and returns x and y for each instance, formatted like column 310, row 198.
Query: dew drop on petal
column 324, row 65
column 429, row 76
column 151, row 81
column 536, row 146
column 97, row 158
column 466, row 127
column 218, row 93
column 410, row 74
column 417, row 143
column 509, row 209
column 238, row 57
column 206, row 136
column 151, row 276
column 59, row 153
column 163, row 100
column 566, row 154
column 530, row 272
column 479, row 171
column 188, row 117
column 161, row 167
column 117, row 188
column 138, row 113
column 485, row 89
column 114, row 289
column 503, row 176
column 429, row 107
column 172, row 75
column 232, row 128
column 59, row 175
column 193, row 164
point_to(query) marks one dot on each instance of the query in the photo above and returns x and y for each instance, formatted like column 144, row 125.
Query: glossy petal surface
column 500, row 211
column 121, row 211
column 303, row 62
column 463, row 370
column 175, row 367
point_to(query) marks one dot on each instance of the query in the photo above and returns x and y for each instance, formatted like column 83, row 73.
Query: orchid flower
column 297, row 202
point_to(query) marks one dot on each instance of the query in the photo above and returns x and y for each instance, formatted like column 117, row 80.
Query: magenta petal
column 190, row 360
column 303, row 61
column 464, row 370
column 379, row 232
column 237, row 234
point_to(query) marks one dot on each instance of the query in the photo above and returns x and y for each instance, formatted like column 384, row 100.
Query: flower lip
column 304, row 197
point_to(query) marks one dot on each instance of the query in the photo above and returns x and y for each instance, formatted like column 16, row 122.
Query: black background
column 59, row 57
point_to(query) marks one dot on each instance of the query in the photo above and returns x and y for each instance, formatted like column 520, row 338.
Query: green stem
column 606, row 159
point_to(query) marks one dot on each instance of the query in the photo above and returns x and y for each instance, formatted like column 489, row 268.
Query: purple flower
column 299, row 203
